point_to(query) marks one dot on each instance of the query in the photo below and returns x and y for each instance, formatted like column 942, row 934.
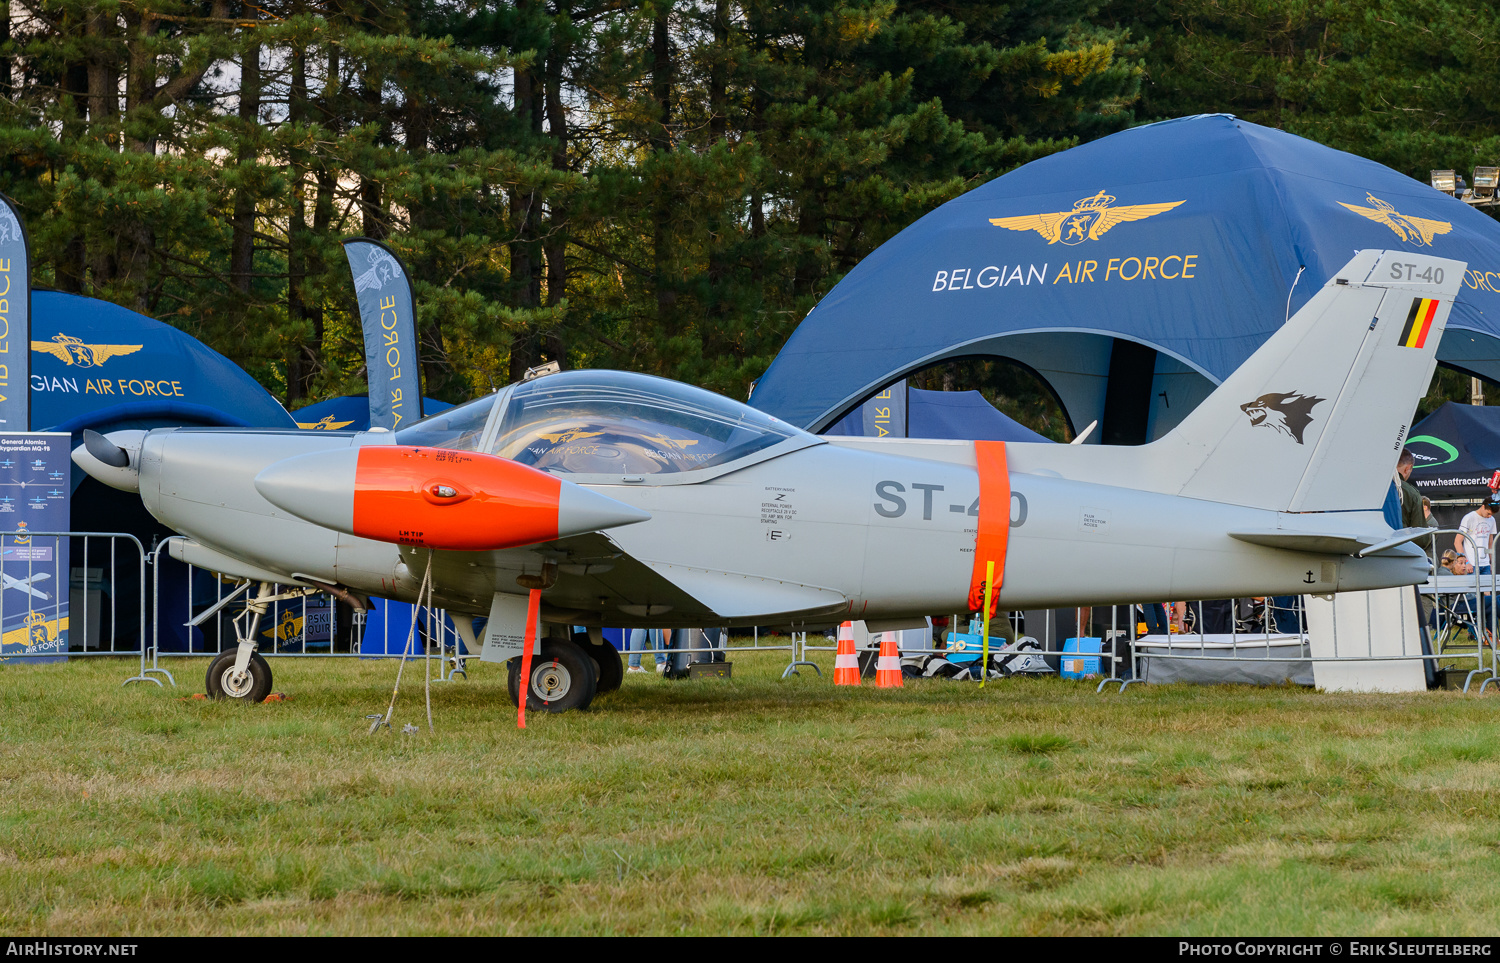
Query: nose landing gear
column 242, row 672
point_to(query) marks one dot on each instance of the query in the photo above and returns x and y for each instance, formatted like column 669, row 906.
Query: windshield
column 459, row 428
column 617, row 422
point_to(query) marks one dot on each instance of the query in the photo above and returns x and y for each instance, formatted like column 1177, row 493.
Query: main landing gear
column 567, row 673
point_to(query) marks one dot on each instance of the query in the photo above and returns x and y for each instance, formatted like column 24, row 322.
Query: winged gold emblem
column 72, row 351
column 1415, row 230
column 567, row 435
column 1089, row 220
column 326, row 424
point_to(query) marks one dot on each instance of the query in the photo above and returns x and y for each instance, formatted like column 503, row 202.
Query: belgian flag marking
column 1419, row 322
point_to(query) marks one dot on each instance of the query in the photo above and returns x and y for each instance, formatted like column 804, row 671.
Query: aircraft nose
column 581, row 510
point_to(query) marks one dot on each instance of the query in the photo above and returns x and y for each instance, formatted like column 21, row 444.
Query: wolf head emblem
column 1289, row 413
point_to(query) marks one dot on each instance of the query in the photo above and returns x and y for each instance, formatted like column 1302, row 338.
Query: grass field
column 744, row 806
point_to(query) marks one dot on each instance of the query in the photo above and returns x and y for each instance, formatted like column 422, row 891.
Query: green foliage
column 665, row 186
column 1404, row 83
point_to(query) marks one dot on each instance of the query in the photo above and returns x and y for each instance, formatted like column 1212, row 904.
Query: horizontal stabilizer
column 1331, row 543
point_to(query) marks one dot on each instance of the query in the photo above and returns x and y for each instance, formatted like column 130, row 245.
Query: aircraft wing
column 598, row 582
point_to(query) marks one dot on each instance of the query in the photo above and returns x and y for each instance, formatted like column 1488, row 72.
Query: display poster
column 15, row 320
column 388, row 316
column 301, row 625
column 34, row 497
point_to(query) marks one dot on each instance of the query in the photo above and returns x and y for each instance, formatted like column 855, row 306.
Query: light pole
column 1482, row 194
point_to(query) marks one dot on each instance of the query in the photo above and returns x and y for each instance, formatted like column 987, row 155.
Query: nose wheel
column 224, row 681
column 242, row 672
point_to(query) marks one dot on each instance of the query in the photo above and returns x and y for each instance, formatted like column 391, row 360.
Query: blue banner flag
column 884, row 416
column 388, row 316
column 15, row 320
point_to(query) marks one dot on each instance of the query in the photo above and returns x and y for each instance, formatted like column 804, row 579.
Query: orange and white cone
column 888, row 665
column 846, row 662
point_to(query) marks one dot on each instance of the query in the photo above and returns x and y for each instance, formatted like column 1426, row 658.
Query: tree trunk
column 718, row 74
column 71, row 268
column 104, row 125
column 371, row 202
column 298, row 372
column 718, row 126
column 556, row 247
column 103, row 79
column 525, row 272
column 242, row 244
column 5, row 62
column 661, row 145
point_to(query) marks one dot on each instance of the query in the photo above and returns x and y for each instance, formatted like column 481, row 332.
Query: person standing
column 1479, row 527
column 1412, row 515
column 1154, row 614
column 644, row 639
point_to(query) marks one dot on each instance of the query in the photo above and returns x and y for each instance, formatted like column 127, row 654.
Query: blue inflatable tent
column 1132, row 274
column 97, row 365
column 947, row 414
column 349, row 413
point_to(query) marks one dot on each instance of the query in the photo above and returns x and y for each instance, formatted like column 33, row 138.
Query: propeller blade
column 105, row 450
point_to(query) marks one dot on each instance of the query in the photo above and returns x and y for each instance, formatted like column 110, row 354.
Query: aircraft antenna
column 1300, row 269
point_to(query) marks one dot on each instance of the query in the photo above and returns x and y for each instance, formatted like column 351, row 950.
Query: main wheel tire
column 611, row 667
column 562, row 678
column 253, row 686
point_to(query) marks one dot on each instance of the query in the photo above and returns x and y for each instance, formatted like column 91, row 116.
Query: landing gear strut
column 242, row 672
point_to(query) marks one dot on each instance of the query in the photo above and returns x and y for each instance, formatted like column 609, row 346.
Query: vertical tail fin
column 1315, row 419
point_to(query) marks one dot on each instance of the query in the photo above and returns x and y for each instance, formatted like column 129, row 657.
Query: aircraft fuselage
column 827, row 531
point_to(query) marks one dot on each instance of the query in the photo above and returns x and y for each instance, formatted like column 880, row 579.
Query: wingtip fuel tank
column 437, row 498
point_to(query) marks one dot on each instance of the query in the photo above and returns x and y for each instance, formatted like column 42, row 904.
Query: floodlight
column 1445, row 181
column 1486, row 179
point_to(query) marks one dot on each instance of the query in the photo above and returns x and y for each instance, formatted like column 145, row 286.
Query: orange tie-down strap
column 994, row 522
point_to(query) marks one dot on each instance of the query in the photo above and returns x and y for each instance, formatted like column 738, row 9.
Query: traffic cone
column 846, row 663
column 888, row 665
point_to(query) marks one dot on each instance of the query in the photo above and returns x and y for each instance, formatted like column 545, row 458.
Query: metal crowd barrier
column 47, row 580
column 296, row 627
column 1267, row 644
column 1257, row 647
column 724, row 648
column 304, row 627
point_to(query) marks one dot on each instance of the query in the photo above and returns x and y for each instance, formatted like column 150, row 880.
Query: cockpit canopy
column 599, row 422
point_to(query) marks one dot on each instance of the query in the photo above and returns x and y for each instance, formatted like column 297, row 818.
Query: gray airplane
column 631, row 500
